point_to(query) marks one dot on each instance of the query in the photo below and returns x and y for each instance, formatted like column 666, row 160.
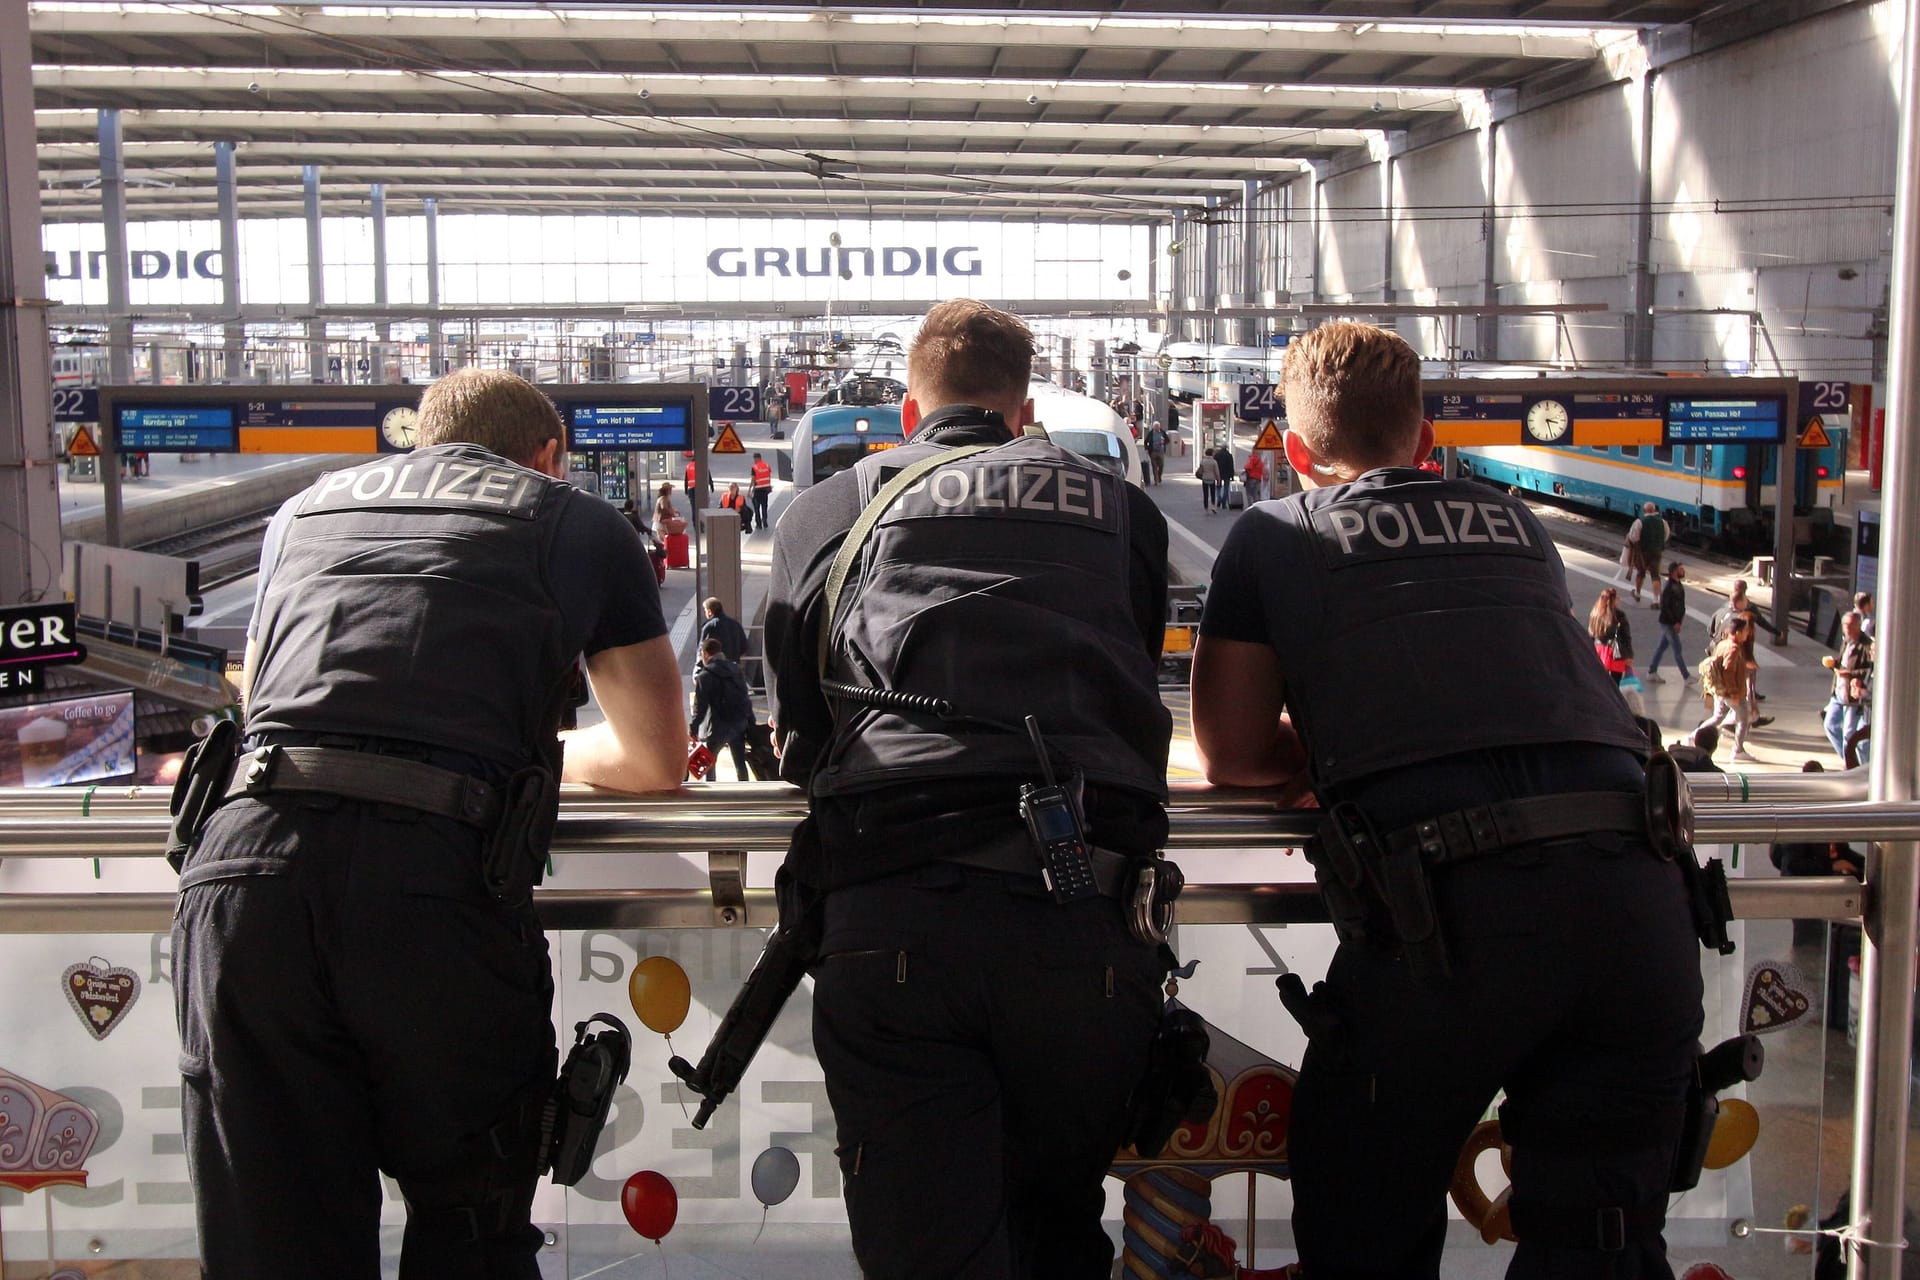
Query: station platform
column 183, row 492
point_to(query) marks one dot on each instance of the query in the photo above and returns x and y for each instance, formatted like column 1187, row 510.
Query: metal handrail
column 131, row 823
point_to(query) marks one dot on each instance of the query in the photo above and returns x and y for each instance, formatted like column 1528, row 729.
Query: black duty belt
column 1485, row 830
column 365, row 775
column 1112, row 872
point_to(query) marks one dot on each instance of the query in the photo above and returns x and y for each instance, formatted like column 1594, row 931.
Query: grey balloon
column 775, row 1174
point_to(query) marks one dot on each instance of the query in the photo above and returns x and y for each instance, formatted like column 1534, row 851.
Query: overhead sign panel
column 1760, row 420
column 724, row 403
column 598, row 426
column 1259, row 400
column 175, row 428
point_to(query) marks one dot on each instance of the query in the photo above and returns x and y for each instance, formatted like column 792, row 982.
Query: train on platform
column 831, row 438
column 1199, row 370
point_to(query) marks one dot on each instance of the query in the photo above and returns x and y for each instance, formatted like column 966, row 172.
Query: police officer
column 1505, row 923
column 979, row 1039
column 362, row 984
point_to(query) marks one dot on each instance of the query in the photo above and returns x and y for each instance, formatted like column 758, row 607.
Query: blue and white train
column 833, row 437
column 1719, row 494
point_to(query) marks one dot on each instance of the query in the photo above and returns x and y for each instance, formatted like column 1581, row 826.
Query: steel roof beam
column 73, row 124
column 297, row 89
column 558, row 29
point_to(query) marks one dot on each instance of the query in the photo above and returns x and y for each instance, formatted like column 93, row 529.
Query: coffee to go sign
column 34, row 637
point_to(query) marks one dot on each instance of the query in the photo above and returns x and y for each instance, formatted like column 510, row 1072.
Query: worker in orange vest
column 762, row 490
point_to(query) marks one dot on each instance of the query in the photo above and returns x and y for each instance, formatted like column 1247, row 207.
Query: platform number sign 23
column 1257, row 401
column 726, row 404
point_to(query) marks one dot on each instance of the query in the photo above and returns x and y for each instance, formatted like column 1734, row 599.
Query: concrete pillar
column 113, row 221
column 436, row 339
column 382, row 330
column 1486, row 332
column 1317, row 293
column 1097, row 384
column 1387, row 215
column 1640, row 306
column 1153, row 275
column 1210, row 270
column 316, row 276
column 1249, row 266
column 234, row 333
column 29, row 492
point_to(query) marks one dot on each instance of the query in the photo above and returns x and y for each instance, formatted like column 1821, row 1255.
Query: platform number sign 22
column 1257, row 401
column 733, row 403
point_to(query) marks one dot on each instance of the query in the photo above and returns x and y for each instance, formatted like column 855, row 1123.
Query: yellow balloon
column 660, row 994
column 1734, row 1133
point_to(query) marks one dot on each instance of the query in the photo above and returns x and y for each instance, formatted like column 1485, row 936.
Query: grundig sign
column 845, row 262
column 147, row 264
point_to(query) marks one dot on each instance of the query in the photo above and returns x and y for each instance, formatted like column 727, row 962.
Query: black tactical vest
column 410, row 601
column 1000, row 583
column 1416, row 618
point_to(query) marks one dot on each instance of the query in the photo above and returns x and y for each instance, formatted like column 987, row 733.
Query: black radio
column 1054, row 824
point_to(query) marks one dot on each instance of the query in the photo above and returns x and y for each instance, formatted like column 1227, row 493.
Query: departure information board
column 1600, row 418
column 1759, row 420
column 593, row 426
column 175, row 428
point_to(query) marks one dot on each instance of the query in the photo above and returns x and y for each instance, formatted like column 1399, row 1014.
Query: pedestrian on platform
column 1727, row 678
column 1848, row 707
column 1207, row 471
column 1646, row 544
column 1511, row 791
column 1673, row 612
column 722, row 706
column 1612, row 636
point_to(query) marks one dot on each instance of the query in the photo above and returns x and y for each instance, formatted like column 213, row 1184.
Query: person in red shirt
column 762, row 490
column 1256, row 474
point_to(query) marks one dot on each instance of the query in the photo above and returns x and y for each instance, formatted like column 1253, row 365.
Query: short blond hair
column 490, row 408
column 1353, row 394
column 967, row 352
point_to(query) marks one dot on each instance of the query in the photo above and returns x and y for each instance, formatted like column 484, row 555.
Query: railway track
column 227, row 551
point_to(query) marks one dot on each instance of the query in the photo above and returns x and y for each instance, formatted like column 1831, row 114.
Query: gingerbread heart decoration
column 1775, row 997
column 100, row 994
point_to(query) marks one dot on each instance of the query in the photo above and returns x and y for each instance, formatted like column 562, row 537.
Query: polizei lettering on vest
column 1022, row 489
column 449, row 484
column 1369, row 529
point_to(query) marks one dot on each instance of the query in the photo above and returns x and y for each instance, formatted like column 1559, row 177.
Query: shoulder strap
column 863, row 528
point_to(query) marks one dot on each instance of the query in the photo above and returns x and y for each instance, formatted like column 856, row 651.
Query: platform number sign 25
column 731, row 403
column 1824, row 397
column 1257, row 401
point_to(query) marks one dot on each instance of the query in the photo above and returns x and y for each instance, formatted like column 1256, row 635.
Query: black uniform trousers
column 351, row 1001
column 1576, row 987
column 979, row 1043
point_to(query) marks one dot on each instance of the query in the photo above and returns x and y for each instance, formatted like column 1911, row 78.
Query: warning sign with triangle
column 1269, row 438
column 82, row 445
column 728, row 441
column 1815, row 436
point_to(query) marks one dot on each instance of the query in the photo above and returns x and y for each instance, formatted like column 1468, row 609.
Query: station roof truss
column 1124, row 113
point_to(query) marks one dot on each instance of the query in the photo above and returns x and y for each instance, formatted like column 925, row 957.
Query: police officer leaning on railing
column 363, row 986
column 1505, row 921
column 979, row 1039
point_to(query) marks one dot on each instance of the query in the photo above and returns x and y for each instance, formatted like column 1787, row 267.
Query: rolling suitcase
column 1236, row 495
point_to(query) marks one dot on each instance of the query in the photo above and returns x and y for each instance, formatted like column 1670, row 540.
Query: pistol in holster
column 1177, row 1086
column 513, row 859
column 1728, row 1063
column 200, row 788
column 1670, row 829
column 1375, row 893
column 577, row 1109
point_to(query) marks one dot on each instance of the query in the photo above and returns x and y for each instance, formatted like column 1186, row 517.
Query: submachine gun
column 776, row 974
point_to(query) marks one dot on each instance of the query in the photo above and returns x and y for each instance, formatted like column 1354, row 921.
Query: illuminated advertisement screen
column 52, row 744
column 175, row 428
column 1725, row 420
column 627, row 426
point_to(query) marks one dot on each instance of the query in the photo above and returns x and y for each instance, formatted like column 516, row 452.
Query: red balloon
column 650, row 1203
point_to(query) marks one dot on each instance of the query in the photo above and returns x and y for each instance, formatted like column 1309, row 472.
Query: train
column 831, row 438
column 1196, row 369
column 1088, row 427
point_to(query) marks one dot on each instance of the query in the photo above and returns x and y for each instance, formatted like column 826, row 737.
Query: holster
column 1670, row 828
column 513, row 859
column 1338, row 856
column 1725, row 1065
column 200, row 788
column 1177, row 1086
